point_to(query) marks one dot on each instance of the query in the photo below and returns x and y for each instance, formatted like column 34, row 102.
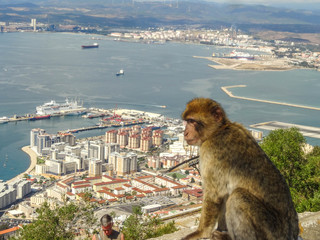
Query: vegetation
column 301, row 171
column 58, row 223
column 139, row 227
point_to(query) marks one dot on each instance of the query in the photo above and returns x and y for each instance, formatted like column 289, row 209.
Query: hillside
column 146, row 14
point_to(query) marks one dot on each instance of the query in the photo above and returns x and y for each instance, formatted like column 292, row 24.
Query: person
column 107, row 232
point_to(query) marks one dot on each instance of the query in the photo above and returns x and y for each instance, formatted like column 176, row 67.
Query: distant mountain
column 144, row 14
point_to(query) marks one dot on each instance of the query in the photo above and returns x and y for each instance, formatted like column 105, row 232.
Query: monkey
column 245, row 197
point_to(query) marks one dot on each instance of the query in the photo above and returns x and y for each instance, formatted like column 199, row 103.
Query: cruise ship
column 53, row 107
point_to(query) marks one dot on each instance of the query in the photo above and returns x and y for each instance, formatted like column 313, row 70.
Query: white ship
column 4, row 120
column 121, row 72
column 53, row 107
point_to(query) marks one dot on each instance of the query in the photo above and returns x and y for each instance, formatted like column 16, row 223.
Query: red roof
column 111, row 182
column 161, row 189
column 194, row 192
column 80, row 182
column 140, row 196
column 82, row 186
column 92, row 178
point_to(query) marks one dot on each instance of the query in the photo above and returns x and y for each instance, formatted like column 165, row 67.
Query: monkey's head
column 203, row 117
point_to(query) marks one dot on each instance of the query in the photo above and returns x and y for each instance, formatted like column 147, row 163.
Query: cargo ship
column 53, row 107
column 95, row 45
column 40, row 117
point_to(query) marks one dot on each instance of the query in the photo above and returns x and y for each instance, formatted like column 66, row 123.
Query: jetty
column 229, row 93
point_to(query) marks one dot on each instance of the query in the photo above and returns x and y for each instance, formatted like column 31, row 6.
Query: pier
column 104, row 125
column 29, row 116
column 307, row 131
column 229, row 93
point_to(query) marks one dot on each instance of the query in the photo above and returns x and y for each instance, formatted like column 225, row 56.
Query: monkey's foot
column 217, row 235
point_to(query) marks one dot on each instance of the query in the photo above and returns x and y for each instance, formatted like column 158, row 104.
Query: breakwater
column 229, row 93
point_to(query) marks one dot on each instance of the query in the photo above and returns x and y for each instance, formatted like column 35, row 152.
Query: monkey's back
column 239, row 162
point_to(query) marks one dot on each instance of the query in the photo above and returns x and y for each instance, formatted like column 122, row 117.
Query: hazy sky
column 297, row 4
column 266, row 2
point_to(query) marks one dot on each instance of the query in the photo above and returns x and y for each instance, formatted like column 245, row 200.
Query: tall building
column 110, row 148
column 146, row 132
column 34, row 24
column 157, row 137
column 111, row 136
column 145, row 144
column 96, row 150
column 136, row 129
column 134, row 141
column 124, row 163
column 34, row 133
column 95, row 167
column 68, row 138
column 122, row 138
column 44, row 141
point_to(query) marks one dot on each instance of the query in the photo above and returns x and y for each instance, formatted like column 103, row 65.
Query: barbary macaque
column 245, row 196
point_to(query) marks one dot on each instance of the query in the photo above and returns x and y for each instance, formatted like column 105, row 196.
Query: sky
column 295, row 4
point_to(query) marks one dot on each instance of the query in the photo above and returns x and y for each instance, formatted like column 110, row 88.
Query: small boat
column 4, row 120
column 121, row 72
column 95, row 45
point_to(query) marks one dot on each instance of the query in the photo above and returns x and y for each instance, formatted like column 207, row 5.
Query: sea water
column 38, row 67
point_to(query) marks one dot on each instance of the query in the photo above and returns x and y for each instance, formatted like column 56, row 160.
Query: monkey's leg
column 247, row 217
column 209, row 217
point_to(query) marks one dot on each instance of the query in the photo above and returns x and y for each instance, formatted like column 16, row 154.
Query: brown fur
column 245, row 196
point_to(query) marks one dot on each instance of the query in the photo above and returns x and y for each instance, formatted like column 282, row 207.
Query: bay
column 39, row 67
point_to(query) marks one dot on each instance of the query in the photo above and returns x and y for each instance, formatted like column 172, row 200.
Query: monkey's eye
column 193, row 122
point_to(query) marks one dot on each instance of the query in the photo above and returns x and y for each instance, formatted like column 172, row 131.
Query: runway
column 307, row 131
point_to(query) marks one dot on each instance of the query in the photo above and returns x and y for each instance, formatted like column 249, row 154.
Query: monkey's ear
column 217, row 113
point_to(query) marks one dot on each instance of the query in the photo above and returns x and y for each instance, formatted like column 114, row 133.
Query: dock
column 29, row 116
column 229, row 93
column 307, row 131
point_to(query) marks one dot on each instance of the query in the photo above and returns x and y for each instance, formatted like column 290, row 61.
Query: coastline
column 33, row 162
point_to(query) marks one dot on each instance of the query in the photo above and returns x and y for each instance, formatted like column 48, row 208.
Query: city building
column 124, row 163
column 110, row 148
column 111, row 136
column 34, row 133
column 95, row 167
column 96, row 150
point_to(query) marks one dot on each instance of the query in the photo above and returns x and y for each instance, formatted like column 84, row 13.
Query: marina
column 307, row 131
